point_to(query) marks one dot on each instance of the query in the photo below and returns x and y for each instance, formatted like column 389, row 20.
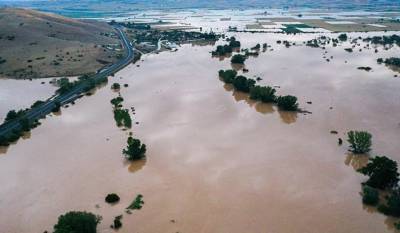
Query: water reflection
column 356, row 161
column 26, row 135
column 237, row 67
column 264, row 108
column 288, row 117
column 136, row 165
column 3, row 149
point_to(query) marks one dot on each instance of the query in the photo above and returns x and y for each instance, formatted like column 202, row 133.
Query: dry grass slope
column 35, row 44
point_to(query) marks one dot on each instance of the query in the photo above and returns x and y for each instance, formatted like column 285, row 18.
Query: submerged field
column 216, row 160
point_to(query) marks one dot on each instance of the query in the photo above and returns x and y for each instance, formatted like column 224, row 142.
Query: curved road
column 45, row 108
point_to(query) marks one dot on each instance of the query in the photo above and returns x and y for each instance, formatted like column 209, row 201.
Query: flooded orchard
column 216, row 161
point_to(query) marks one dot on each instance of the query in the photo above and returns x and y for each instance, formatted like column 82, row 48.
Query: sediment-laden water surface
column 216, row 161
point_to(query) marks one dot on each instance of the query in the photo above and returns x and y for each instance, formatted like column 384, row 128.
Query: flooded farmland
column 216, row 160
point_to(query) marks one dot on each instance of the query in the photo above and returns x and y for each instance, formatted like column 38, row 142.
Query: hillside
column 35, row 44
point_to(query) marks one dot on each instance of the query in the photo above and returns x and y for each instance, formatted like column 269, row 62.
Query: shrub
column 135, row 149
column 264, row 94
column 244, row 84
column 117, row 101
column 137, row 204
column 56, row 107
column 370, row 195
column 122, row 117
column 342, row 37
column 76, row 221
column 287, row 103
column 115, row 86
column 238, row 59
column 360, row 141
column 393, row 61
column 117, row 222
column 112, row 198
column 382, row 172
column 228, row 75
column 222, row 50
column 392, row 207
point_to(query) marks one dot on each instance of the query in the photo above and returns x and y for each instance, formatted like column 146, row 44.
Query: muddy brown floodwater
column 216, row 161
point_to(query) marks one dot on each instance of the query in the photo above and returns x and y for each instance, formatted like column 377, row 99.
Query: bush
column 370, row 195
column 57, row 106
column 287, row 103
column 222, row 50
column 393, row 61
column 342, row 37
column 264, row 94
column 117, row 101
column 112, row 198
column 115, row 86
column 122, row 117
column 382, row 172
column 392, row 207
column 234, row 43
column 238, row 59
column 79, row 222
column 137, row 203
column 244, row 84
column 135, row 149
column 117, row 222
column 360, row 141
column 228, row 75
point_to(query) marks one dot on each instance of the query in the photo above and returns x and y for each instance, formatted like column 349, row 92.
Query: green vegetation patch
column 360, row 141
column 137, row 204
column 75, row 221
column 382, row 173
column 112, row 198
column 122, row 118
column 288, row 103
column 135, row 150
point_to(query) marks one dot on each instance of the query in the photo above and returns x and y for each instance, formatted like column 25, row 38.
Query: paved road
column 44, row 109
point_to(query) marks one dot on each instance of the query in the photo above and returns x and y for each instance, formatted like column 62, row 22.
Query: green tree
column 115, row 86
column 135, row 149
column 342, row 37
column 238, row 59
column 112, row 198
column 360, row 141
column 117, row 101
column 287, row 103
column 264, row 94
column 228, row 75
column 77, row 222
column 244, row 84
column 392, row 206
column 370, row 196
column 382, row 172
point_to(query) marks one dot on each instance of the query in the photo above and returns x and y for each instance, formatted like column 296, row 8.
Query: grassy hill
column 35, row 44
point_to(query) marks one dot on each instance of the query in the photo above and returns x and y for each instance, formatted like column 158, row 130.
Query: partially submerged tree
column 244, row 84
column 264, row 94
column 342, row 37
column 75, row 221
column 238, row 59
column 112, row 198
column 370, row 196
column 360, row 141
column 135, row 149
column 288, row 103
column 228, row 75
column 382, row 172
